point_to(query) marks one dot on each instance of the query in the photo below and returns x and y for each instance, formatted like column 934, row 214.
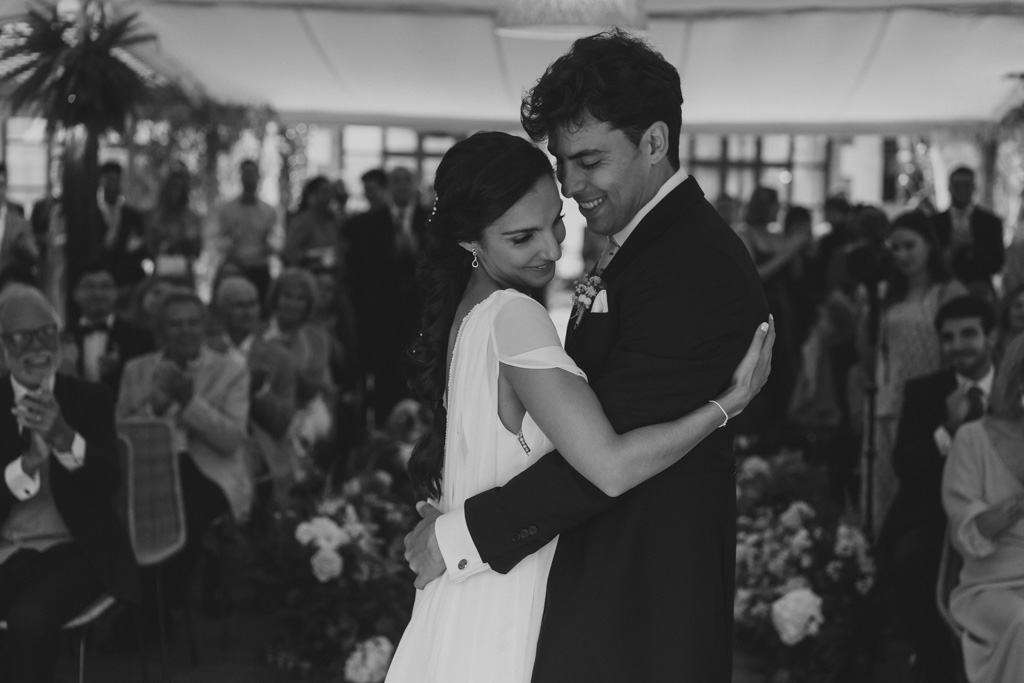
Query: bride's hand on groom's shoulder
column 421, row 548
column 752, row 372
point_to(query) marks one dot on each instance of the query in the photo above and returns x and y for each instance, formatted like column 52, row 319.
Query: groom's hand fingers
column 421, row 548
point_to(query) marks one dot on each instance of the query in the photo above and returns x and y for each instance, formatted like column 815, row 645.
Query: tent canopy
column 764, row 65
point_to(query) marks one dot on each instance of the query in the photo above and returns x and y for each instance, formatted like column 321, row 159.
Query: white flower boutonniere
column 583, row 296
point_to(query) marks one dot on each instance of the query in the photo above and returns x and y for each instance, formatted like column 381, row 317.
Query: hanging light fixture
column 568, row 18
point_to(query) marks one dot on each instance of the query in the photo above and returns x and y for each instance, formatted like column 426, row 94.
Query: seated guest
column 983, row 493
column 61, row 543
column 292, row 301
column 147, row 297
column 934, row 408
column 1011, row 318
column 205, row 395
column 272, row 383
column 105, row 342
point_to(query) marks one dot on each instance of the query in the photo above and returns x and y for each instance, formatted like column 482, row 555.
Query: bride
column 504, row 392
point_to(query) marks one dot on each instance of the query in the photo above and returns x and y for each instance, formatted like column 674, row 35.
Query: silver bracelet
column 724, row 414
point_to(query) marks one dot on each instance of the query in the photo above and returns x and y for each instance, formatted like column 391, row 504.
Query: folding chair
column 79, row 627
column 156, row 510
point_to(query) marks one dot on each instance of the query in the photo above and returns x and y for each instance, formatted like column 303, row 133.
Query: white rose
column 304, row 533
column 327, row 565
column 328, row 534
column 796, row 615
column 794, row 516
column 369, row 661
column 753, row 466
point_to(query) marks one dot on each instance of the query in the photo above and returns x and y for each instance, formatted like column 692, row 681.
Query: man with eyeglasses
column 61, row 543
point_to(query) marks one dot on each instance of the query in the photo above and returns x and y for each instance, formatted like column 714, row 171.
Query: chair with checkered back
column 156, row 509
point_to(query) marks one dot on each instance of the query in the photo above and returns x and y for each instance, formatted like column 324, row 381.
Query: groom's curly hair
column 614, row 77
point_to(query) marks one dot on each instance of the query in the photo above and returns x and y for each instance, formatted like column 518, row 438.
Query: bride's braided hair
column 478, row 180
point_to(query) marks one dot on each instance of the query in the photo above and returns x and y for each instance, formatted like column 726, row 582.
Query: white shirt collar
column 20, row 390
column 85, row 322
column 672, row 183
column 985, row 383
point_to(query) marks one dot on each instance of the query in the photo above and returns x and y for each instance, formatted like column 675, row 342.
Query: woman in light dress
column 983, row 493
column 907, row 345
column 504, row 393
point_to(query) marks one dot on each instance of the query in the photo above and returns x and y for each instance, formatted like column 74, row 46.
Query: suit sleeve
column 661, row 367
column 220, row 425
column 100, row 475
column 273, row 410
column 915, row 436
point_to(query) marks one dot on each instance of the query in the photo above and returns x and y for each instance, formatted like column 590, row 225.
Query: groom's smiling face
column 608, row 176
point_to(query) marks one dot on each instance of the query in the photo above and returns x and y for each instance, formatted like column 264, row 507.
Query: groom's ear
column 654, row 143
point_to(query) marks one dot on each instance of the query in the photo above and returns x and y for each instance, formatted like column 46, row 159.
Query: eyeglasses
column 22, row 340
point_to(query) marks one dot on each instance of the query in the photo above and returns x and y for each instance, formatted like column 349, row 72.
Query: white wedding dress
column 484, row 629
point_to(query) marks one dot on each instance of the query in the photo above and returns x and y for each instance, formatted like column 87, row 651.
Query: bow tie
column 88, row 329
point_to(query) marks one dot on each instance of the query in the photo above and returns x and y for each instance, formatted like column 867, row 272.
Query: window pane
column 437, row 144
column 707, row 178
column 708, row 148
column 739, row 183
column 430, row 165
column 775, row 149
column 810, row 149
column 684, row 148
column 400, row 140
column 362, row 139
column 742, row 147
column 808, row 186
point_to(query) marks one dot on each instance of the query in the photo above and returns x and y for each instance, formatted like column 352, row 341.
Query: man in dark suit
column 641, row 588
column 18, row 250
column 384, row 243
column 913, row 534
column 61, row 543
column 104, row 341
column 122, row 227
column 972, row 236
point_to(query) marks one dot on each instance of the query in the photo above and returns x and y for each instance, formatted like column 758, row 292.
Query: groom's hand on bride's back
column 421, row 548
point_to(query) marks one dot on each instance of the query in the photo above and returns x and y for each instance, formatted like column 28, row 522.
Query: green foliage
column 76, row 70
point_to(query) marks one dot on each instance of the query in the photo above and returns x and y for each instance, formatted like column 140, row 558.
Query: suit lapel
column 8, row 425
column 667, row 213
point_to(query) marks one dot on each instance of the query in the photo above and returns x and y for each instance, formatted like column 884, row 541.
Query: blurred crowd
column 898, row 368
column 897, row 337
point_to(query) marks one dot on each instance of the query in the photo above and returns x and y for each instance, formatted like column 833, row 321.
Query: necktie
column 976, row 399
column 609, row 252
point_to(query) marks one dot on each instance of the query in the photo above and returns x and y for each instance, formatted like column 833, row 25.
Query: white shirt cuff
column 943, row 441
column 75, row 458
column 21, row 485
column 461, row 557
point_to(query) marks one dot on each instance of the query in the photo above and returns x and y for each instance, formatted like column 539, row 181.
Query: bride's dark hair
column 478, row 180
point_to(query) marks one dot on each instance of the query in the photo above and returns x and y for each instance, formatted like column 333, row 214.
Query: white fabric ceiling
column 787, row 65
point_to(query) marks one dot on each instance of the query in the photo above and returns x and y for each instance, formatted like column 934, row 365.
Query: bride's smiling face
column 519, row 249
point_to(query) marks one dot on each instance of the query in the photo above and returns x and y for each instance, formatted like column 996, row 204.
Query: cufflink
column 462, row 564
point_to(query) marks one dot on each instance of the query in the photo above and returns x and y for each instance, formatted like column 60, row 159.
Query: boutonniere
column 583, row 296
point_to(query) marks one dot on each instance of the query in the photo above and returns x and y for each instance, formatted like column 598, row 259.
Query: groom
column 641, row 588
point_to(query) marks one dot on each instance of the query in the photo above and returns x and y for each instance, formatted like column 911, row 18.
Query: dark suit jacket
column 130, row 342
column 385, row 298
column 641, row 588
column 916, row 458
column 979, row 261
column 128, row 250
column 83, row 497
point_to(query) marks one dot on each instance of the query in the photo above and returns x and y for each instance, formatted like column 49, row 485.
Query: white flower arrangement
column 797, row 615
column 369, row 661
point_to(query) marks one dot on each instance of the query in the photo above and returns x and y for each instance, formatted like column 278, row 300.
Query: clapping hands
column 170, row 384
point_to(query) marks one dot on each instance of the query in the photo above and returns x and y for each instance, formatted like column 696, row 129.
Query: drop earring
column 476, row 261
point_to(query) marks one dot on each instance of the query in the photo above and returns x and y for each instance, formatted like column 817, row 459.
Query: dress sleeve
column 525, row 337
column 962, row 492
